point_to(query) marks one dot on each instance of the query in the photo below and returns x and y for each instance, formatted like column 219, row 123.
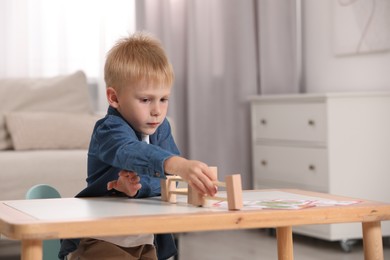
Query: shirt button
column 157, row 174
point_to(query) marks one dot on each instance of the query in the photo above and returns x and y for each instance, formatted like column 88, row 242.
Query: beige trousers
column 93, row 249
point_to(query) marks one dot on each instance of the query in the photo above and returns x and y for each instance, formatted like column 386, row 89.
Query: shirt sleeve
column 118, row 146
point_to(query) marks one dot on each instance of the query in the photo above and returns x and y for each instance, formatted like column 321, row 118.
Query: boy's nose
column 156, row 111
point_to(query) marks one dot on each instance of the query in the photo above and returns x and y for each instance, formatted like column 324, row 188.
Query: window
column 50, row 37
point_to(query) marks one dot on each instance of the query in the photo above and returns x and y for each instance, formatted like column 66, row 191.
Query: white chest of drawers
column 337, row 143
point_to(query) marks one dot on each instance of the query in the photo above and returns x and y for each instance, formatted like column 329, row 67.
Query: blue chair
column 44, row 191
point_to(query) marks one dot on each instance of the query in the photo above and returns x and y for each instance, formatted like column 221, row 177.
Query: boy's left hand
column 127, row 182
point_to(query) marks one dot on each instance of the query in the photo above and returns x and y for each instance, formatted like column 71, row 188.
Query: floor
column 261, row 244
column 245, row 245
column 9, row 250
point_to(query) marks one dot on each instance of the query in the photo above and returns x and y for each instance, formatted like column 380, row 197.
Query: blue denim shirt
column 116, row 146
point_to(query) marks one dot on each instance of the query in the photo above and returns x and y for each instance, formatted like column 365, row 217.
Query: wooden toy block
column 194, row 197
column 214, row 171
column 234, row 191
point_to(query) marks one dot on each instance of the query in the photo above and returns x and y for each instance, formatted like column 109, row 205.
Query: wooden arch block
column 168, row 185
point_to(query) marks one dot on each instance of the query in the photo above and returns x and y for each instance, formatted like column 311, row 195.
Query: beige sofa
column 45, row 127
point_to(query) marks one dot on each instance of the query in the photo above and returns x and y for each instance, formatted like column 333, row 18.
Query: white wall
column 326, row 72
column 278, row 53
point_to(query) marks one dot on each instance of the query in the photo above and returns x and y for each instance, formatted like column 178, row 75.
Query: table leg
column 31, row 249
column 372, row 241
column 285, row 243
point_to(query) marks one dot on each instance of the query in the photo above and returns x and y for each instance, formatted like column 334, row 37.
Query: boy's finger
column 198, row 189
column 133, row 175
column 204, row 186
column 208, row 185
column 123, row 173
column 212, row 190
column 135, row 179
column 127, row 174
column 137, row 186
column 111, row 185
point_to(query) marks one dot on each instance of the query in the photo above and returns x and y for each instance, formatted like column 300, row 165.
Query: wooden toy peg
column 214, row 171
column 234, row 191
column 194, row 197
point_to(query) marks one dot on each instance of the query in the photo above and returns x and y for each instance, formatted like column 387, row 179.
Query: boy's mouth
column 153, row 124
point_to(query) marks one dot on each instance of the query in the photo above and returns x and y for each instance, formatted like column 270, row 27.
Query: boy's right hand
column 127, row 182
column 195, row 173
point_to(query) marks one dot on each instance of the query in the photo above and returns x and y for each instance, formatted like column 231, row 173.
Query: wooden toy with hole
column 232, row 184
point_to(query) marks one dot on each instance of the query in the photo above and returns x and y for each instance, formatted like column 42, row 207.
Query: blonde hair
column 139, row 57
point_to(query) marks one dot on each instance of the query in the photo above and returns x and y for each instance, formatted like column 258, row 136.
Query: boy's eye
column 164, row 100
column 144, row 100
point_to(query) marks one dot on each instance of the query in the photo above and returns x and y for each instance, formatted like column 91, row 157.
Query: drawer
column 290, row 167
column 295, row 121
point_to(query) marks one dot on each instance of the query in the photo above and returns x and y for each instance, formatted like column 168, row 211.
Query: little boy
column 132, row 147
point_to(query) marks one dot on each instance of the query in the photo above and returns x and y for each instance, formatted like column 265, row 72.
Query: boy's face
column 143, row 106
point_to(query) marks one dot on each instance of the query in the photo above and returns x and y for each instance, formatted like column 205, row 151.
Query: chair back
column 44, row 191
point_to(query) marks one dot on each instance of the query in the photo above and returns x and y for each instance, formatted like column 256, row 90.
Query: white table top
column 109, row 207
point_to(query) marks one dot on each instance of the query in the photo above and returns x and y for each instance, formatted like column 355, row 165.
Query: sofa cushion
column 50, row 130
column 66, row 170
column 66, row 93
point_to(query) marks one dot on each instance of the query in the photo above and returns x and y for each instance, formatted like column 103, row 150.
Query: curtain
column 280, row 46
column 43, row 38
column 223, row 51
column 213, row 48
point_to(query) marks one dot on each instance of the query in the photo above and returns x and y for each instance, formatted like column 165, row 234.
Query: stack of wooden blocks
column 232, row 184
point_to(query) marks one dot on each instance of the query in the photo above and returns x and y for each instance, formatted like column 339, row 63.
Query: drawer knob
column 311, row 122
column 263, row 121
column 312, row 167
column 264, row 162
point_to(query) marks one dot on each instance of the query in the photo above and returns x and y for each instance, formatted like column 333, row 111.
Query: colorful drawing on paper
column 288, row 204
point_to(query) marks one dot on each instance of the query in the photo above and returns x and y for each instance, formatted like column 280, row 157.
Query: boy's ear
column 112, row 97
